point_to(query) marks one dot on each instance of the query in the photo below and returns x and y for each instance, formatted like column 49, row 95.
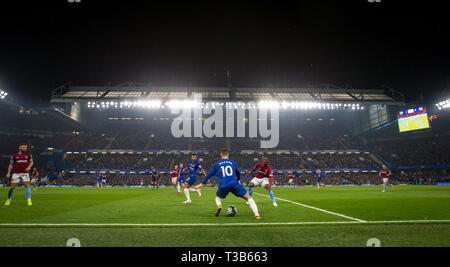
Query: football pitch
column 306, row 216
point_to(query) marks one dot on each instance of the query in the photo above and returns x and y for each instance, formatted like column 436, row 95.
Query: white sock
column 218, row 202
column 186, row 193
column 253, row 206
column 193, row 190
column 178, row 188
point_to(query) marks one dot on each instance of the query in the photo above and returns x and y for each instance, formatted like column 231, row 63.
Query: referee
column 155, row 179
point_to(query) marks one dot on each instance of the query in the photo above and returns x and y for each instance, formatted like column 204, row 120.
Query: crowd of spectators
column 111, row 180
column 422, row 176
column 118, row 161
column 412, row 150
column 166, row 160
column 300, row 179
column 342, row 178
column 412, row 177
column 426, row 151
column 338, row 161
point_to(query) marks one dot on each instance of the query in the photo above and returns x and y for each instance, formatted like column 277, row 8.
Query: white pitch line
column 170, row 224
column 314, row 208
column 410, row 221
column 215, row 224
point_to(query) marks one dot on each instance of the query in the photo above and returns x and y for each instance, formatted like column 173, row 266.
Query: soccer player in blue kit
column 319, row 179
column 193, row 168
column 229, row 175
column 99, row 180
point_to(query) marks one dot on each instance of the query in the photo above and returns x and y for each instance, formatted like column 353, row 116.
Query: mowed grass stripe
column 349, row 235
column 56, row 225
column 144, row 206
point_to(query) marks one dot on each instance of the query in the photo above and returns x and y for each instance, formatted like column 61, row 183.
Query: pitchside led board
column 413, row 119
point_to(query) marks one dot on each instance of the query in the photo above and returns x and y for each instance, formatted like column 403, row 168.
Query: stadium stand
column 78, row 157
column 127, row 143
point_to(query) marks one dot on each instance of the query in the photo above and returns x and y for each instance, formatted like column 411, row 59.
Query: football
column 231, row 211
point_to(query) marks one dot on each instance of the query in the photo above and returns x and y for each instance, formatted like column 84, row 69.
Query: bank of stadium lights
column 183, row 104
column 443, row 105
column 148, row 104
column 3, row 94
column 304, row 105
column 284, row 105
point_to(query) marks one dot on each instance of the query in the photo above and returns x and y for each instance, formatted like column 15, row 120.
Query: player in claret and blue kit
column 20, row 164
column 181, row 179
column 193, row 168
column 229, row 176
column 35, row 179
column 291, row 177
column 175, row 174
column 385, row 173
column 263, row 178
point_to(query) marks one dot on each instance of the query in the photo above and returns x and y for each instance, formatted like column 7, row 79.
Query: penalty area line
column 315, row 208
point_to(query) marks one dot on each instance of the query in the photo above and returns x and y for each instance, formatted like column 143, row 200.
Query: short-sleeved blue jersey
column 194, row 167
column 228, row 173
column 319, row 176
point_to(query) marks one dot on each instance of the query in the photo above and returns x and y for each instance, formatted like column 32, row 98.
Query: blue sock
column 250, row 191
column 384, row 187
column 272, row 196
column 10, row 193
column 29, row 193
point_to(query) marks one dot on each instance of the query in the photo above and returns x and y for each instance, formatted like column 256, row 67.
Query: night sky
column 404, row 45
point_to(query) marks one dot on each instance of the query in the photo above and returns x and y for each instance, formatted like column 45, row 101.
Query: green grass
column 144, row 206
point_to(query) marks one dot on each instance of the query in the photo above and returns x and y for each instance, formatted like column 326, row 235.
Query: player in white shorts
column 385, row 173
column 35, row 179
column 291, row 180
column 20, row 165
column 20, row 177
column 175, row 174
column 264, row 178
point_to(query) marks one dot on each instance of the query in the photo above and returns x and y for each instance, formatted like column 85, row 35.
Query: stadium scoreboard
column 413, row 119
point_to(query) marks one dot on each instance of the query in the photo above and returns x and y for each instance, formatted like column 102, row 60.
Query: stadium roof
column 36, row 120
column 131, row 91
